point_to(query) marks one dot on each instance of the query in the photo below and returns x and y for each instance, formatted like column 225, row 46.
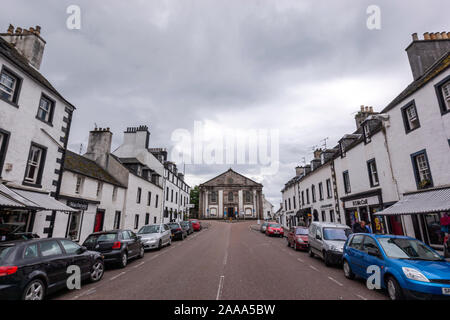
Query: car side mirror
column 373, row 252
column 318, row 237
column 82, row 250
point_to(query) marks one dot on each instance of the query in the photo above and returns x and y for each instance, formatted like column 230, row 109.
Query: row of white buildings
column 394, row 170
column 53, row 192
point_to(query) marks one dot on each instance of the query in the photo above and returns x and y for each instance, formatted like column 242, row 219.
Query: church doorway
column 230, row 212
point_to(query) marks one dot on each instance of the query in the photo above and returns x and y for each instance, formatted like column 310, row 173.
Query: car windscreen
column 335, row 234
column 173, row 225
column 408, row 249
column 149, row 229
column 274, row 225
column 4, row 251
column 105, row 237
column 301, row 231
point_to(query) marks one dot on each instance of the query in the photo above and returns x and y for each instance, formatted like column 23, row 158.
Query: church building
column 231, row 195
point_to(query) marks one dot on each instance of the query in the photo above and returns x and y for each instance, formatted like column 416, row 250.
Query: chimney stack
column 422, row 54
column 363, row 114
column 99, row 146
column 299, row 171
column 28, row 42
column 415, row 37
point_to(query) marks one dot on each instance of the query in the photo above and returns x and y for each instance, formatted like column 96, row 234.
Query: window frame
column 51, row 112
column 38, row 182
column 406, row 121
column 19, row 80
column 320, row 191
column 136, row 221
column 416, row 169
column 313, row 193
column 366, row 133
column 440, row 96
column 138, row 195
column 370, row 172
column 3, row 148
column 346, row 180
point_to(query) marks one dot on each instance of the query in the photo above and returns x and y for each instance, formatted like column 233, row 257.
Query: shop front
column 426, row 212
column 303, row 217
column 365, row 207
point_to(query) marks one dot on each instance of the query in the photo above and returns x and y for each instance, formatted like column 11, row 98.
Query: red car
column 196, row 225
column 298, row 238
column 274, row 229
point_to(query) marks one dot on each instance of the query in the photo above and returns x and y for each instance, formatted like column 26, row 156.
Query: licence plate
column 446, row 291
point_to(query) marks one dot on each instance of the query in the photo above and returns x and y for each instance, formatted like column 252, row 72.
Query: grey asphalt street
column 225, row 262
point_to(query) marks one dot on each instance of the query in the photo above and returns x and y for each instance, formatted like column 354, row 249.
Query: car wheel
column 348, row 273
column 159, row 244
column 98, row 269
column 394, row 290
column 311, row 254
column 123, row 260
column 326, row 259
column 35, row 290
column 141, row 252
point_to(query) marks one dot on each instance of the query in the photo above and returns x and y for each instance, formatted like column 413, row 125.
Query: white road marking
column 138, row 265
column 335, row 281
column 115, row 277
column 314, row 268
column 361, row 297
column 219, row 290
column 225, row 259
column 300, row 260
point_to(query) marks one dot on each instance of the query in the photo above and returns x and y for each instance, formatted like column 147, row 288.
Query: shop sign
column 363, row 202
column 80, row 205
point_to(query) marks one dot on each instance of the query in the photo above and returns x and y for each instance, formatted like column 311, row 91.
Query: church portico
column 231, row 195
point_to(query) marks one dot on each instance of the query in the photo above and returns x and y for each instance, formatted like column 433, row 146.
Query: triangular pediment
column 230, row 178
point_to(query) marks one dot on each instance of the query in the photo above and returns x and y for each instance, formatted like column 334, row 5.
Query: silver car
column 155, row 236
column 327, row 240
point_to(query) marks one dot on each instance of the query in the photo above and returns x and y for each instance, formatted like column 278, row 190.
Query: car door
column 355, row 254
column 166, row 233
column 371, row 260
column 135, row 242
column 78, row 258
column 126, row 238
column 55, row 263
column 319, row 241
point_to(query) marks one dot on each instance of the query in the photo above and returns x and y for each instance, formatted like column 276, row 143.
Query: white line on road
column 115, row 277
column 300, row 260
column 335, row 281
column 361, row 297
column 314, row 268
column 138, row 265
column 219, row 290
column 225, row 259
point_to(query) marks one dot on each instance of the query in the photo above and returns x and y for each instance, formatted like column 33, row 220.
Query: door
column 166, row 233
column 231, row 212
column 355, row 255
column 126, row 238
column 72, row 251
column 370, row 260
column 99, row 219
column 135, row 242
column 55, row 263
column 318, row 242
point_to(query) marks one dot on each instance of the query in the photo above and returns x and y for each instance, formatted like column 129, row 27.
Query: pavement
column 226, row 261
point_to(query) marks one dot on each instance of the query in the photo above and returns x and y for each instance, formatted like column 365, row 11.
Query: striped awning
column 433, row 201
column 29, row 200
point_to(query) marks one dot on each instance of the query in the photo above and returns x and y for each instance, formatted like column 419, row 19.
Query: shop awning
column 29, row 200
column 433, row 201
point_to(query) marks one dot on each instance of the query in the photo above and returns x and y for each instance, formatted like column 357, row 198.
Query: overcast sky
column 300, row 67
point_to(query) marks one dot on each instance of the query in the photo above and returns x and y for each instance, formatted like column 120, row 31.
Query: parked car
column 155, row 236
column 31, row 269
column 264, row 227
column 298, row 238
column 274, row 229
column 408, row 267
column 117, row 246
column 196, row 224
column 327, row 240
column 447, row 246
column 178, row 233
column 187, row 225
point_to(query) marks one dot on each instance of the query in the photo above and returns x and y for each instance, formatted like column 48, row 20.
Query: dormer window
column 443, row 93
column 139, row 170
column 410, row 117
column 366, row 131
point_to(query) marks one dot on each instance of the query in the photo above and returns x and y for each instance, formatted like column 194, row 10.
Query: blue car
column 408, row 267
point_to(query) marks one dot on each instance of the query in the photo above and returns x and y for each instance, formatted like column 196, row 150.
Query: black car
column 31, row 269
column 187, row 225
column 117, row 246
column 178, row 233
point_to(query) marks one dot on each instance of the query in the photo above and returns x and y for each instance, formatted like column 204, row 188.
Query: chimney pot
column 433, row 36
column 415, row 37
column 18, row 30
column 426, row 36
column 362, row 108
column 38, row 29
column 438, row 35
column 11, row 29
column 444, row 35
